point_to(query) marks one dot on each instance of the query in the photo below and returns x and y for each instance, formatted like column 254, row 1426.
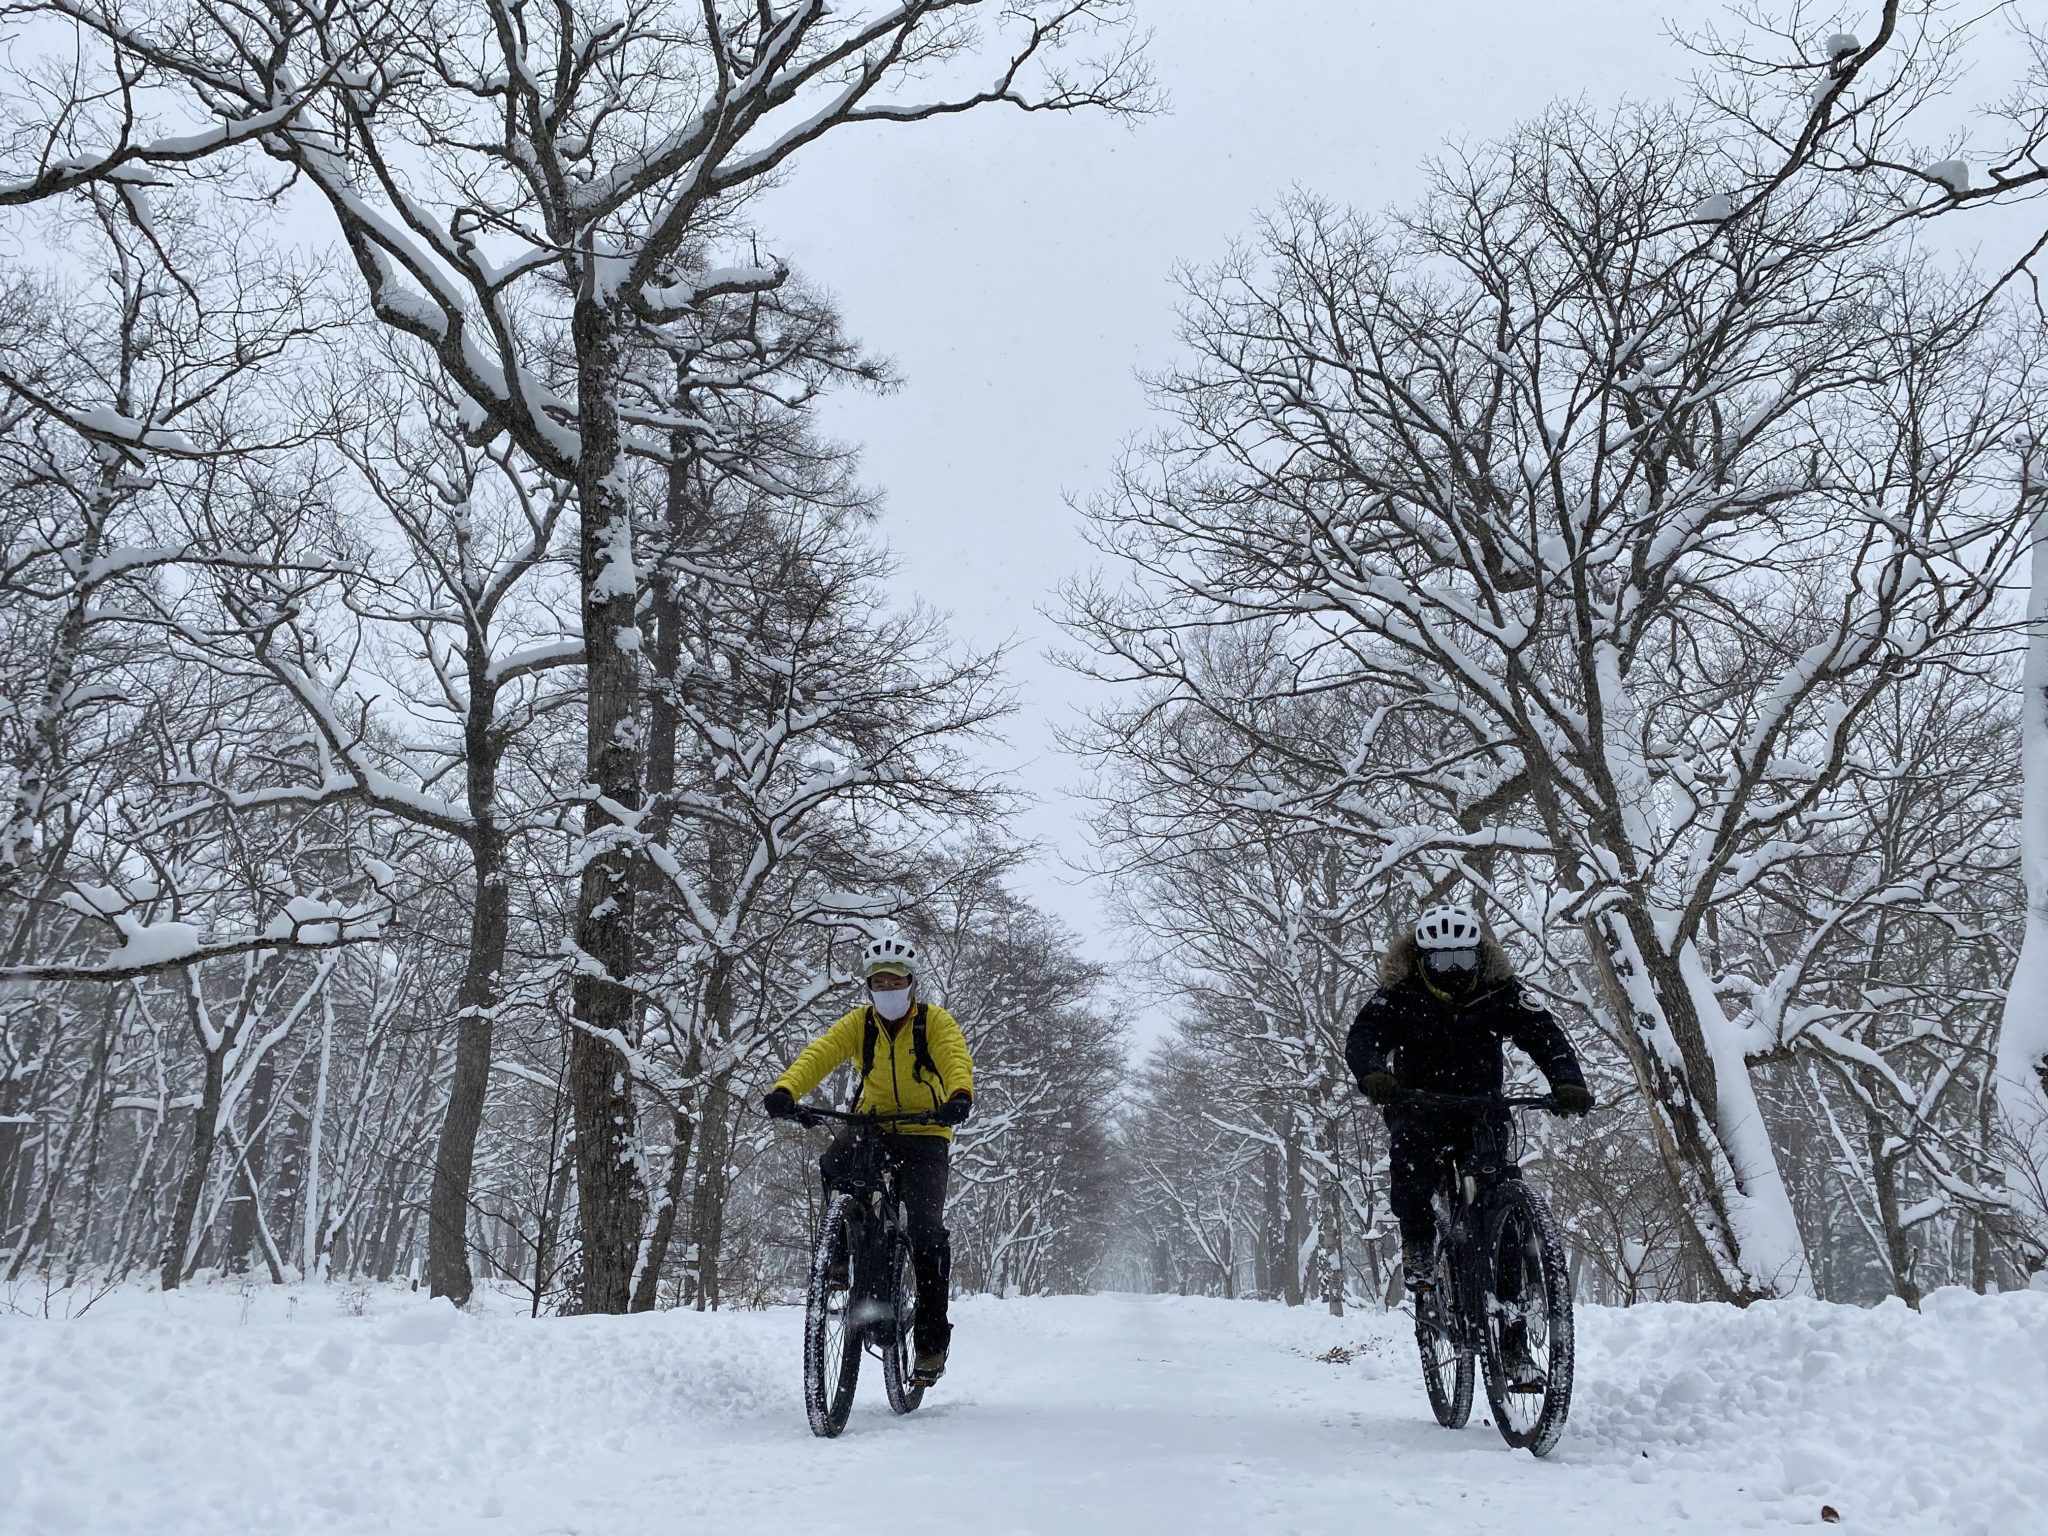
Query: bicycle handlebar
column 1424, row 1097
column 807, row 1115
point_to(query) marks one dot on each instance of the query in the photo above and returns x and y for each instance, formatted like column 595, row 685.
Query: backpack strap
column 921, row 1050
column 921, row 1062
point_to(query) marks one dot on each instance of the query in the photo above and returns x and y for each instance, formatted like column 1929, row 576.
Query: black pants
column 920, row 1164
column 1416, row 1144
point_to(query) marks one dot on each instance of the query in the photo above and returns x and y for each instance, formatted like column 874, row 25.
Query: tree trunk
column 79, row 1253
column 127, row 1245
column 39, row 771
column 84, row 1121
column 682, row 1133
column 476, row 1001
column 18, row 1120
column 15, row 1125
column 611, row 1196
column 2023, row 1033
column 311, row 1202
column 664, row 735
column 1270, row 1257
column 1982, row 1235
column 1331, row 1247
column 205, row 1131
column 1294, row 1293
column 1709, row 1126
column 384, row 1251
column 548, row 1239
column 253, row 1185
column 246, row 1218
column 707, row 1197
column 39, row 765
column 1898, row 1245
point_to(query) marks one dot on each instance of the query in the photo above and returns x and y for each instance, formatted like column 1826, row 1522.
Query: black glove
column 956, row 1109
column 1572, row 1099
column 780, row 1104
column 1380, row 1087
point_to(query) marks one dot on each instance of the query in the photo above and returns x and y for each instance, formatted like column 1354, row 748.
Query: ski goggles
column 1451, row 962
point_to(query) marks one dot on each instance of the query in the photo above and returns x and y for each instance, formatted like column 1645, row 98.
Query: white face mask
column 892, row 1005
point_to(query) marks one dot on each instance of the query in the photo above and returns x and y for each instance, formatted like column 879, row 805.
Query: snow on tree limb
column 149, row 949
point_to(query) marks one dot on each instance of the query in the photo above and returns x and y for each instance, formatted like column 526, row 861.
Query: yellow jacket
column 894, row 1085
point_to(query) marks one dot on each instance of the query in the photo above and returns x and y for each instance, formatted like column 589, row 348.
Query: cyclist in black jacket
column 1448, row 998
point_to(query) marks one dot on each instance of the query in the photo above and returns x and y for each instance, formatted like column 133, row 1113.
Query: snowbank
column 1935, row 1422
column 287, row 1411
column 348, row 1410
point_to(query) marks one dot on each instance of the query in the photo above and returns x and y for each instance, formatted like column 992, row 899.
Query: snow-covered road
column 349, row 1412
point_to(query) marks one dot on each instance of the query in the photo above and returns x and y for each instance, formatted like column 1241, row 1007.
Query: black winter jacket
column 1441, row 1047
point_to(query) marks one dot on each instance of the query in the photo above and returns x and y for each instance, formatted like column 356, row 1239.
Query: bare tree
column 1875, row 110
column 1639, row 503
column 812, row 752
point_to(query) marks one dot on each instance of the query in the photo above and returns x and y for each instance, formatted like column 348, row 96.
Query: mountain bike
column 1501, row 1293
column 863, row 1288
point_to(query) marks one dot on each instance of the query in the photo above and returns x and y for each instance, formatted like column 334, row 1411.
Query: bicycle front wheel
column 1528, row 1335
column 898, row 1367
column 831, row 1343
column 1447, row 1369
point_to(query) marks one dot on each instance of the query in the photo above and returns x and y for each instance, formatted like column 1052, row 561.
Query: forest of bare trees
column 457, row 725
column 1631, row 537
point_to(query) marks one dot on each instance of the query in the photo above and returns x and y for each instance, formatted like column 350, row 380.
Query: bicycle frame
column 1462, row 1196
column 879, row 1231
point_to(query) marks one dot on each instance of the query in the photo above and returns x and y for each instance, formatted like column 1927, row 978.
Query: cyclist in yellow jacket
column 912, row 1058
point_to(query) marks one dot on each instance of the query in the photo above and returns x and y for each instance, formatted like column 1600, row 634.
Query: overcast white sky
column 1019, row 269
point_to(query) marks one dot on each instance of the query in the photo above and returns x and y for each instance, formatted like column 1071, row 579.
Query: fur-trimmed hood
column 1403, row 960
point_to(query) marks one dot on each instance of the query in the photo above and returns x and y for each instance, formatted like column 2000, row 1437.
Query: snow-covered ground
column 285, row 1412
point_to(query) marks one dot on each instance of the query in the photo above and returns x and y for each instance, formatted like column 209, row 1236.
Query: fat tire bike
column 862, row 1297
column 1500, row 1298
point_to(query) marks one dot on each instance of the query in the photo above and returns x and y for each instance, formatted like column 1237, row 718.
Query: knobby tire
column 1525, row 1260
column 898, row 1366
column 1447, row 1370
column 831, row 1344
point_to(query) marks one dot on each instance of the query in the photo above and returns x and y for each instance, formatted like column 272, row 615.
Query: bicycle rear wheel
column 831, row 1343
column 897, row 1339
column 1447, row 1370
column 1528, row 1351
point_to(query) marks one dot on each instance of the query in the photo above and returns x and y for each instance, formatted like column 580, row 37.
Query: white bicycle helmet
column 1448, row 928
column 898, row 955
